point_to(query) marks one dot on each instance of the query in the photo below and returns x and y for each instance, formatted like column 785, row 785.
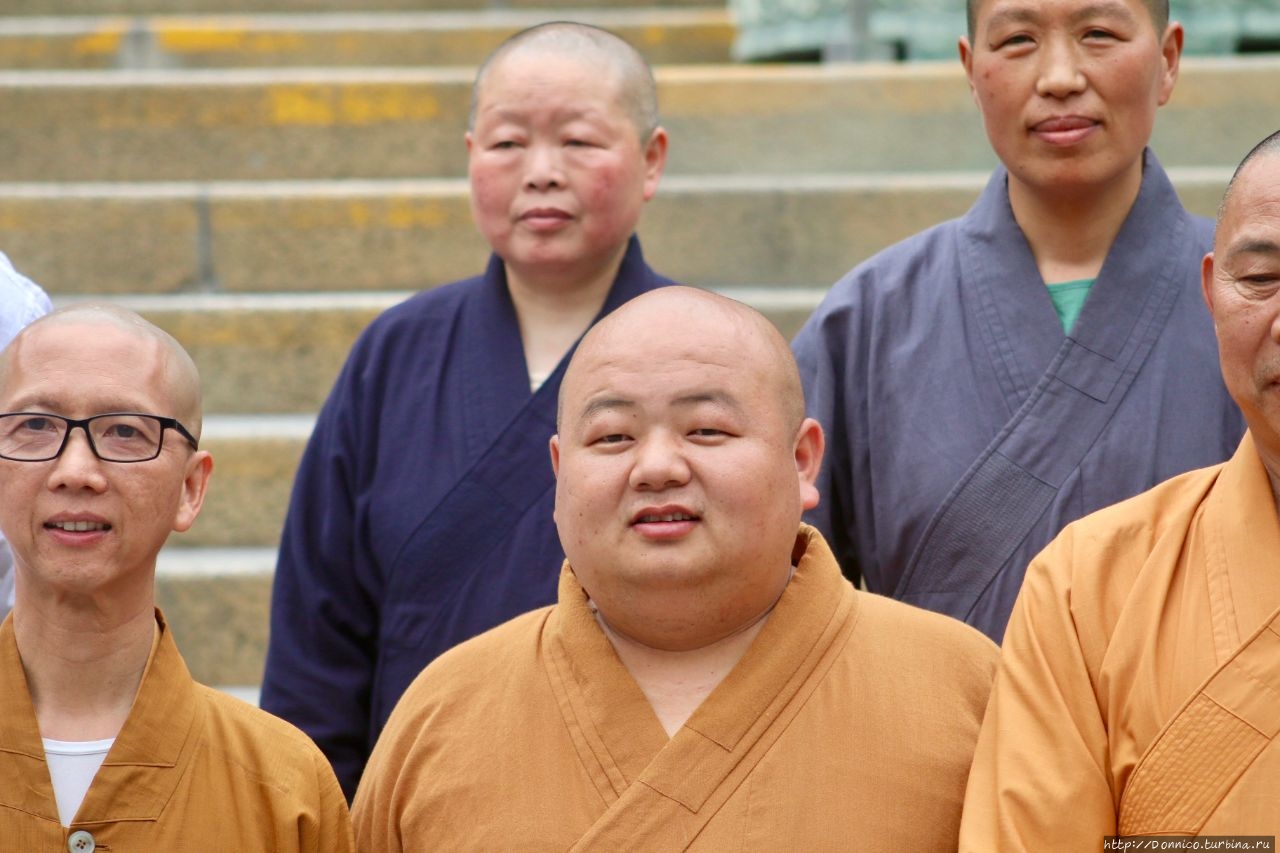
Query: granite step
column 355, row 236
column 253, row 124
column 61, row 8
column 369, row 39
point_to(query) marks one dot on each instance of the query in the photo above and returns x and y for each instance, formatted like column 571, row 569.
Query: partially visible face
column 1068, row 89
column 677, row 472
column 1241, row 282
column 558, row 172
column 80, row 370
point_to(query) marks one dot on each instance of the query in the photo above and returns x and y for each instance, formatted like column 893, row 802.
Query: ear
column 810, row 443
column 194, row 486
column 1171, row 51
column 555, row 455
column 1206, row 282
column 966, row 59
column 466, row 137
column 655, row 161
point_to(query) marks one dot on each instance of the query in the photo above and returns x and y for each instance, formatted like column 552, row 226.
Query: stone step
column 217, row 601
column 279, row 237
column 280, row 353
column 239, row 124
column 62, row 8
column 367, row 39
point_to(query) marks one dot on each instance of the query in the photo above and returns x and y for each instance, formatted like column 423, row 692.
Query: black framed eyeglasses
column 113, row 437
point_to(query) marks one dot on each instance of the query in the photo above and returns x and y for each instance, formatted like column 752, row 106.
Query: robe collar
column 493, row 353
column 1242, row 534
column 145, row 763
column 1012, row 305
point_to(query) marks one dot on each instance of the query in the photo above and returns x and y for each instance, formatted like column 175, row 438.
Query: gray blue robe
column 964, row 429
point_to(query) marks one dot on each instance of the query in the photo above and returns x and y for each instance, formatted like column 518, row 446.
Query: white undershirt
column 72, row 766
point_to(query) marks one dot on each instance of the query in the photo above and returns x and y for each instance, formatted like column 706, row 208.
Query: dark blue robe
column 421, row 512
column 964, row 429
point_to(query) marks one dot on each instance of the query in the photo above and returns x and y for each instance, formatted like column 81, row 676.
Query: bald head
column 1268, row 147
column 181, row 378
column 637, row 92
column 705, row 318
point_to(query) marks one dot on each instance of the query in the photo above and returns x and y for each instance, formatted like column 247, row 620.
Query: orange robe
column 192, row 770
column 1139, row 685
column 850, row 720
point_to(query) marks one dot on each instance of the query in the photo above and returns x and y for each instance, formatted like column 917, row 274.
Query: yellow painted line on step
column 105, row 41
column 183, row 38
column 358, row 215
column 325, row 106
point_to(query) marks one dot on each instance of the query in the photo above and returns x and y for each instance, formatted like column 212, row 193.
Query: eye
column 1013, row 41
column 503, row 145
column 706, row 431
column 1097, row 34
column 612, row 438
column 37, row 424
column 121, row 431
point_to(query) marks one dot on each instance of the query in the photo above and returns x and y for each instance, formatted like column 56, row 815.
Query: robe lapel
column 1002, row 287
column 673, row 788
column 1234, row 717
column 146, row 762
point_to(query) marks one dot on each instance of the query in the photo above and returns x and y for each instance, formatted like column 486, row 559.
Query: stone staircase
column 263, row 178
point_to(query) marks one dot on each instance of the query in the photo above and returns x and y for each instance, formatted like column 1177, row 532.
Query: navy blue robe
column 964, row 429
column 421, row 513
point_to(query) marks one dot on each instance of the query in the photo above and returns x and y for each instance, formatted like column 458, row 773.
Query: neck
column 83, row 665
column 554, row 309
column 1070, row 234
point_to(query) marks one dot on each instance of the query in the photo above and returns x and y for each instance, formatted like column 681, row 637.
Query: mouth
column 653, row 518
column 553, row 213
column 1065, row 130
column 78, row 526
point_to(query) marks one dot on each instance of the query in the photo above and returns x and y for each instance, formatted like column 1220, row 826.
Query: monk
column 993, row 378
column 105, row 741
column 1137, row 692
column 421, row 512
column 707, row 679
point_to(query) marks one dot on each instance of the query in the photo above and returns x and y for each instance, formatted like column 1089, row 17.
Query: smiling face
column 1241, row 281
column 1068, row 89
column 682, row 467
column 77, row 523
column 559, row 173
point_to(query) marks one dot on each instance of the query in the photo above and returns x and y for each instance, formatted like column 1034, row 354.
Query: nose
column 659, row 464
column 543, row 169
column 1061, row 74
column 77, row 467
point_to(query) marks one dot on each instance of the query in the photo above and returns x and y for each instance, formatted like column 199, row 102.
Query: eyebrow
column 55, row 407
column 1255, row 246
column 605, row 404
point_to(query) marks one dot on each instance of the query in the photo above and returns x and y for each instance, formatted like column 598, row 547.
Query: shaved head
column 1159, row 10
column 1268, row 147
column 182, row 377
column 707, row 317
column 637, row 92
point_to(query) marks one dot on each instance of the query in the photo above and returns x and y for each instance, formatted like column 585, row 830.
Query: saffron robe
column 964, row 429
column 192, row 769
column 421, row 511
column 850, row 716
column 1107, row 716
